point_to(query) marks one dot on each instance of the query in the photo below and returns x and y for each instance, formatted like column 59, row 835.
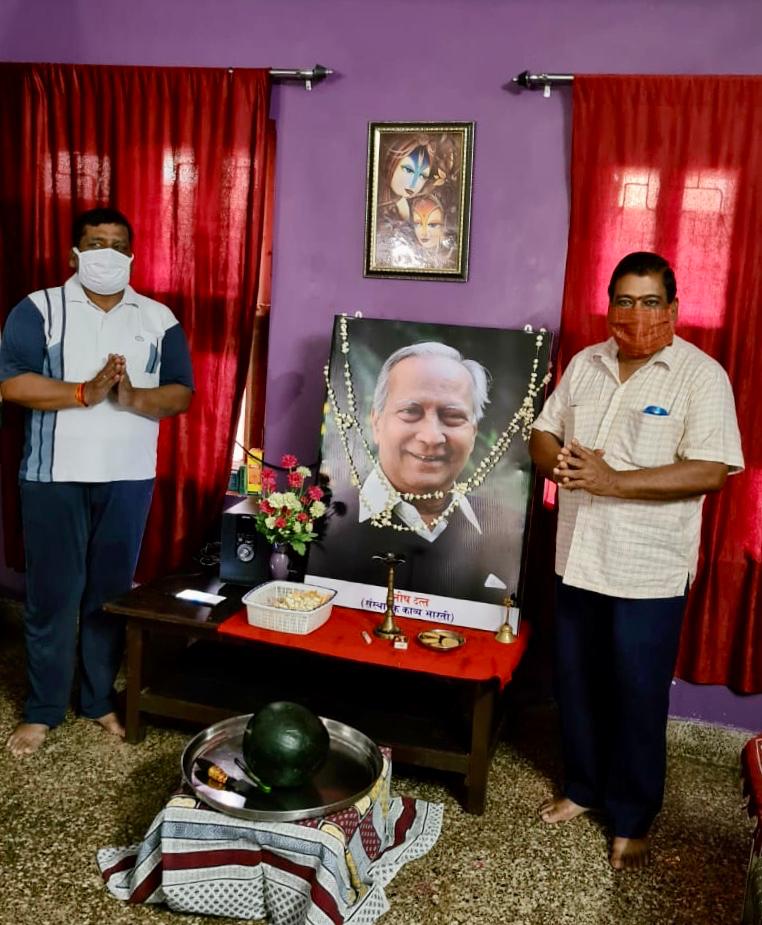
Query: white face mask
column 103, row 270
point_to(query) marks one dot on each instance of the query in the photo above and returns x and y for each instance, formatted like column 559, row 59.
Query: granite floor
column 84, row 791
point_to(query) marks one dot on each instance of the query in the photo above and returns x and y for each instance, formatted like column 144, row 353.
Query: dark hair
column 643, row 263
column 101, row 216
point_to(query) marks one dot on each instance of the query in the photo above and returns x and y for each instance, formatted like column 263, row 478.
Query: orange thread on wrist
column 79, row 395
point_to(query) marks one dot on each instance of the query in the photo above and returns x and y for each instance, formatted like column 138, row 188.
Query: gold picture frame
column 418, row 200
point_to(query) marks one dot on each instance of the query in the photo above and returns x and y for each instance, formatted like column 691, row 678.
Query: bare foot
column 561, row 810
column 629, row 853
column 26, row 738
column 111, row 724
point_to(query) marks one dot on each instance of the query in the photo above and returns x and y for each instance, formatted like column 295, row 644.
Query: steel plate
column 353, row 765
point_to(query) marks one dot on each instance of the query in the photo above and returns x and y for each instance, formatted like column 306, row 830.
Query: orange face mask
column 640, row 332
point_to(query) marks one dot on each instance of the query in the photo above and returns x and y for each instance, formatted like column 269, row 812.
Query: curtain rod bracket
column 310, row 75
column 529, row 81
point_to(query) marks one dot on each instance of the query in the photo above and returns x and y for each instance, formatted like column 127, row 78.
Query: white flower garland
column 346, row 420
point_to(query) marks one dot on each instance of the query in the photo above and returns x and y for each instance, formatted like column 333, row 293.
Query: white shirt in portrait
column 377, row 492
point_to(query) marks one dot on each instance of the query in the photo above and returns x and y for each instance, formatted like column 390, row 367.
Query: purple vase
column 279, row 561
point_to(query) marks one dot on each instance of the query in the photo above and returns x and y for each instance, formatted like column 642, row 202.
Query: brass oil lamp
column 388, row 628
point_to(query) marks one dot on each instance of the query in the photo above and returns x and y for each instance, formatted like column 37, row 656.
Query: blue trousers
column 615, row 658
column 82, row 542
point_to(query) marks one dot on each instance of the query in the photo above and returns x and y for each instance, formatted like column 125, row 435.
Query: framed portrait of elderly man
column 424, row 454
column 418, row 199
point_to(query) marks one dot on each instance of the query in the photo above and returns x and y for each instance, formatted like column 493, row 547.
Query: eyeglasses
column 647, row 301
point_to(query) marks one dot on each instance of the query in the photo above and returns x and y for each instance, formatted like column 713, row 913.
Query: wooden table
column 446, row 723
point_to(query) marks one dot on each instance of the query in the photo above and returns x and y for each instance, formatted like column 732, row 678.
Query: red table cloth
column 480, row 659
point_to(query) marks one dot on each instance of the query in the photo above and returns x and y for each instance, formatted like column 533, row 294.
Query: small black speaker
column 244, row 553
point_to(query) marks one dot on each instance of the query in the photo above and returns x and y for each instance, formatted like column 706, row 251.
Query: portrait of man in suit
column 407, row 475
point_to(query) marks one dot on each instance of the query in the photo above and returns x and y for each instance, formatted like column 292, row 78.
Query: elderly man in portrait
column 427, row 404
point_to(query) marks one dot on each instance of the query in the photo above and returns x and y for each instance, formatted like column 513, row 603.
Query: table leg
column 479, row 755
column 135, row 731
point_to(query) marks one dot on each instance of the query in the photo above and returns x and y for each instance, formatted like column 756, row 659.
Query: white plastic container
column 261, row 612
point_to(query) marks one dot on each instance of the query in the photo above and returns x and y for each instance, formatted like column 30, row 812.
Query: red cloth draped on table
column 187, row 154
column 480, row 659
column 674, row 165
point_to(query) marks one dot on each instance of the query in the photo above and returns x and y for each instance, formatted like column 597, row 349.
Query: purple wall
column 715, row 704
column 399, row 60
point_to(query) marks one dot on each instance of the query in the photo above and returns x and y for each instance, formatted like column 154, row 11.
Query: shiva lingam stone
column 388, row 628
column 505, row 634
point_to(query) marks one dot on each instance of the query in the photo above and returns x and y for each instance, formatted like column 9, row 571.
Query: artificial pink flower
column 288, row 461
column 294, row 480
column 314, row 493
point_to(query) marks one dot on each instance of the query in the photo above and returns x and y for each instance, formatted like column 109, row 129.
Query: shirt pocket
column 144, row 361
column 652, row 439
column 582, row 421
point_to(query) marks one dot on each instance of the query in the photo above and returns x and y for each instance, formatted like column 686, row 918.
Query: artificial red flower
column 295, row 480
column 302, row 517
column 280, row 523
column 288, row 461
column 266, row 507
column 314, row 493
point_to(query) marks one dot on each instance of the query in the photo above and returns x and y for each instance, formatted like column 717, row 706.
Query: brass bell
column 505, row 634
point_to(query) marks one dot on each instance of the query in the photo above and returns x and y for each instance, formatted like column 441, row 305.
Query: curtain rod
column 310, row 76
column 529, row 81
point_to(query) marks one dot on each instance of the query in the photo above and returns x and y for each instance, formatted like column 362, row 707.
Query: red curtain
column 674, row 165
column 187, row 155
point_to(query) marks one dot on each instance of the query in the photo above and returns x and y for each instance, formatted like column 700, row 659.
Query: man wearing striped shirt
column 97, row 365
column 638, row 430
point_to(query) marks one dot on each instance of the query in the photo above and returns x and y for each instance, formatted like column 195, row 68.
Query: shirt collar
column 608, row 352
column 376, row 491
column 75, row 293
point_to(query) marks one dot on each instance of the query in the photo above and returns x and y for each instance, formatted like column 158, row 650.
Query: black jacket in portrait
column 456, row 564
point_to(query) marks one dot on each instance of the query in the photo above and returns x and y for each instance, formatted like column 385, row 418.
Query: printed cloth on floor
column 331, row 869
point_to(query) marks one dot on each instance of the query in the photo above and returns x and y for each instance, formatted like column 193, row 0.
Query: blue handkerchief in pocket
column 655, row 409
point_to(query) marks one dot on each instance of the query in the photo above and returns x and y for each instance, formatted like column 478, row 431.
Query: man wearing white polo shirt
column 637, row 431
column 97, row 365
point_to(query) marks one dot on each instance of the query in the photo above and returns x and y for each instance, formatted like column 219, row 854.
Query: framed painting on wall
column 418, row 199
